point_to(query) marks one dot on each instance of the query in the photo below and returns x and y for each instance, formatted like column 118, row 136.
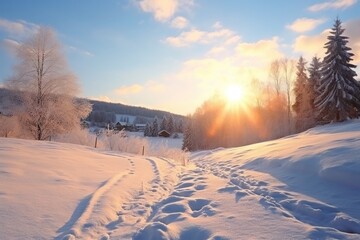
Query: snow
column 304, row 186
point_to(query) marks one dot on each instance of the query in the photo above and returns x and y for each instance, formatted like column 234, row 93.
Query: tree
column 163, row 123
column 47, row 87
column 275, row 74
column 302, row 105
column 288, row 70
column 170, row 124
column 339, row 92
column 314, row 80
column 147, row 131
column 188, row 141
column 155, row 128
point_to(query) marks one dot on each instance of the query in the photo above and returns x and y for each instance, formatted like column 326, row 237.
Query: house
column 164, row 133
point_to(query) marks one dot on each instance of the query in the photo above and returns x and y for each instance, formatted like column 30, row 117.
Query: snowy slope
column 305, row 186
column 54, row 190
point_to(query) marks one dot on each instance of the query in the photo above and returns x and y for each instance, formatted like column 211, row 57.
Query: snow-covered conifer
column 339, row 92
column 314, row 79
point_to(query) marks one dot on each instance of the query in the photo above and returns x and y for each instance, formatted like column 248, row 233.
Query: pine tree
column 339, row 92
column 155, row 128
column 302, row 106
column 188, row 141
column 314, row 80
column 163, row 123
column 170, row 124
column 147, row 131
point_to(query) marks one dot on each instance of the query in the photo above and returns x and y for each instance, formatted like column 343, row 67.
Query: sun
column 234, row 93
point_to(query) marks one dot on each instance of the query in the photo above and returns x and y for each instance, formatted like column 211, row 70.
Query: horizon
column 173, row 55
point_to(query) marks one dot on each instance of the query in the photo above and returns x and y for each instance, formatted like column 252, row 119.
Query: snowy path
column 220, row 200
column 122, row 203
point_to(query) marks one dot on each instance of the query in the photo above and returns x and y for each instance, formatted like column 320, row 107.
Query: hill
column 305, row 186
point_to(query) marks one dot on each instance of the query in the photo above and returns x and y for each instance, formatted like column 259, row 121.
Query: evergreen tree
column 339, row 92
column 147, row 131
column 170, row 124
column 314, row 80
column 188, row 141
column 302, row 106
column 155, row 128
column 163, row 123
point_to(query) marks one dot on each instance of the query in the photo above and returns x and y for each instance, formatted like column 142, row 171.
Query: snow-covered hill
column 305, row 186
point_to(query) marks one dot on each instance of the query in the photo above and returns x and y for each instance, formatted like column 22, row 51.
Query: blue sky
column 174, row 54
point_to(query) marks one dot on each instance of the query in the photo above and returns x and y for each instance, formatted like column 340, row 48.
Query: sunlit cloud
column 163, row 10
column 352, row 31
column 310, row 46
column 305, row 24
column 200, row 37
column 179, row 22
column 128, row 90
column 260, row 52
column 18, row 28
column 101, row 98
column 335, row 4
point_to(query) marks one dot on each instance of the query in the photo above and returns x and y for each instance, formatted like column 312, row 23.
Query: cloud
column 335, row 4
column 129, row 90
column 18, row 28
column 261, row 52
column 313, row 45
column 101, row 98
column 179, row 22
column 10, row 45
column 352, row 31
column 200, row 37
column 305, row 24
column 310, row 46
column 163, row 10
column 80, row 51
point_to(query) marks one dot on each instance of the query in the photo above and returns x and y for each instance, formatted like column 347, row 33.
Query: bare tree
column 47, row 87
column 275, row 75
column 288, row 73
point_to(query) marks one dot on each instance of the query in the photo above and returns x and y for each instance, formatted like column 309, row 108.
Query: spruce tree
column 188, row 141
column 302, row 105
column 314, row 80
column 339, row 92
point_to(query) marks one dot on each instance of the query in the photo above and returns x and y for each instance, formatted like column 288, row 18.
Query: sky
column 174, row 54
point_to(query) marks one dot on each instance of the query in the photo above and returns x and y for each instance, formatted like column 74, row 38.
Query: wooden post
column 95, row 141
column 143, row 150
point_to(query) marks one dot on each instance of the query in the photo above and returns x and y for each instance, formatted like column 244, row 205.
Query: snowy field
column 305, row 186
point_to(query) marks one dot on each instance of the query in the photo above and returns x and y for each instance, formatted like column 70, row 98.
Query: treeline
column 118, row 108
column 168, row 123
column 325, row 92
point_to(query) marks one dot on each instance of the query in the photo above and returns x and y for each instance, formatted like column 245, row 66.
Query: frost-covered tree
column 47, row 87
column 147, row 131
column 163, row 123
column 302, row 105
column 339, row 92
column 170, row 124
column 155, row 128
column 314, row 79
column 188, row 141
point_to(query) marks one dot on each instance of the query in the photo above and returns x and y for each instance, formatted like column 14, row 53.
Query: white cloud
column 179, row 22
column 305, row 24
column 18, row 28
column 334, row 4
column 163, row 10
column 80, row 51
column 10, row 45
column 203, row 37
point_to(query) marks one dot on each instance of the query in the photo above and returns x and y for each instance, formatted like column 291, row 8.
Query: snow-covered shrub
column 78, row 136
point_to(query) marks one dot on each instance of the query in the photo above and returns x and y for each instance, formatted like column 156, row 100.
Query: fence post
column 95, row 141
column 143, row 150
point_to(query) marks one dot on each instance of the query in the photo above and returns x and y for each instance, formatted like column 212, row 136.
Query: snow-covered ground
column 305, row 186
